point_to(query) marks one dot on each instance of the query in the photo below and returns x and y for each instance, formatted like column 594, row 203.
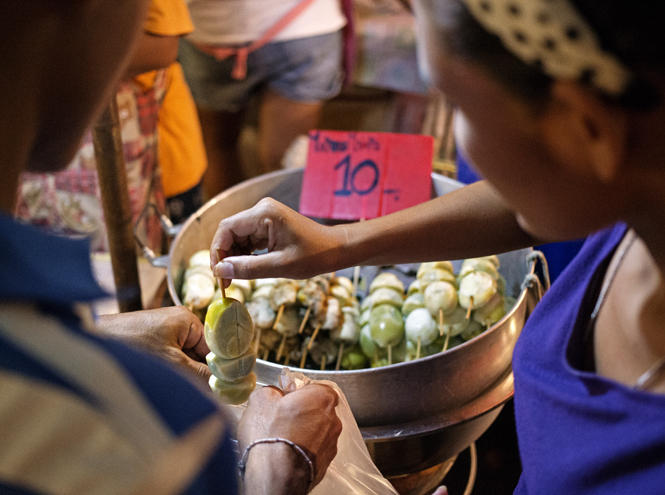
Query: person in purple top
column 561, row 109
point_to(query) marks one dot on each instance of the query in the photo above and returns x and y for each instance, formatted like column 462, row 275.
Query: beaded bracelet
column 243, row 461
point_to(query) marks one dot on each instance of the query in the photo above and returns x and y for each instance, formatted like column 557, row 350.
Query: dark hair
column 632, row 30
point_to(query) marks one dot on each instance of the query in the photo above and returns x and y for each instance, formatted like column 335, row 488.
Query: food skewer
column 287, row 358
column 441, row 322
column 390, row 354
column 280, row 349
column 323, row 362
column 339, row 356
column 280, row 312
column 266, row 353
column 446, row 342
column 304, row 320
column 304, row 357
column 468, row 311
column 418, row 348
column 314, row 334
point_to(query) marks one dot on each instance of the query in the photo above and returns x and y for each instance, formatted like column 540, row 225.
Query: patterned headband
column 554, row 33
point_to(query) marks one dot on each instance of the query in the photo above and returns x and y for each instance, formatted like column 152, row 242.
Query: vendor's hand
column 173, row 333
column 298, row 247
column 306, row 417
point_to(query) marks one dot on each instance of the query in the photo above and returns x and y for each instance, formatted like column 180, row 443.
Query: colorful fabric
column 578, row 432
column 69, row 202
column 83, row 414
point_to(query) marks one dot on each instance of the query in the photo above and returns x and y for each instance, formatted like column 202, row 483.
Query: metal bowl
column 431, row 408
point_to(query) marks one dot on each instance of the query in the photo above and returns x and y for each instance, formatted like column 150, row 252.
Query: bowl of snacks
column 422, row 352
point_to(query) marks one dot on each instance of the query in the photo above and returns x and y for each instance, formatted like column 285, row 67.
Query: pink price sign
column 354, row 175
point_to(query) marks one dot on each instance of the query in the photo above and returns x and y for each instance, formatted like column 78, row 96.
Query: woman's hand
column 297, row 246
column 172, row 333
column 306, row 417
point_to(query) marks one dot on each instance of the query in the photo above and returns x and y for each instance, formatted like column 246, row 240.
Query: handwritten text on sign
column 353, row 175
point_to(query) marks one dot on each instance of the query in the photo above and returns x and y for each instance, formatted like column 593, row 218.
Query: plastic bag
column 352, row 471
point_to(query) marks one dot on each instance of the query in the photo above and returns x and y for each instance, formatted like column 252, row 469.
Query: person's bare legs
column 281, row 120
column 221, row 131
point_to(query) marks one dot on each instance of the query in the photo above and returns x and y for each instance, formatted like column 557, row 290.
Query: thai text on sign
column 354, row 175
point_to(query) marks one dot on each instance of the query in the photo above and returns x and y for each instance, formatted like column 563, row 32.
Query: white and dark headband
column 555, row 34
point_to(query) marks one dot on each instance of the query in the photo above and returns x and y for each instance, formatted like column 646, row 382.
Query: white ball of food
column 350, row 331
column 198, row 287
column 455, row 322
column 491, row 312
column 388, row 280
column 289, row 323
column 414, row 301
column 341, row 293
column 478, row 265
column 344, row 282
column 436, row 275
column 244, row 285
column 478, row 287
column 262, row 292
column 260, row 282
column 384, row 295
column 200, row 258
column 232, row 292
column 386, row 325
column 420, row 325
column 494, row 259
column 440, row 296
column 443, row 265
column 262, row 313
column 414, row 287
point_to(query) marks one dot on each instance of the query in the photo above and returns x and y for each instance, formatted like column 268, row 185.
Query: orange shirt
column 182, row 156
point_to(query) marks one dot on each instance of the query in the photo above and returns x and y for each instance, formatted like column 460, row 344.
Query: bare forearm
column 472, row 221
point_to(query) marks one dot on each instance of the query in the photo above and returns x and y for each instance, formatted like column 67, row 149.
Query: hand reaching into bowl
column 297, row 246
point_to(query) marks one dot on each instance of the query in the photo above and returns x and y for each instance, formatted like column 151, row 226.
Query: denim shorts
column 307, row 70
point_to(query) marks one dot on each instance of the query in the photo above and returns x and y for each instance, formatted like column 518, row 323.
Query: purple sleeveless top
column 580, row 433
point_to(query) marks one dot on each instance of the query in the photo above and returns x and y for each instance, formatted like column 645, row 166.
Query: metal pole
column 117, row 211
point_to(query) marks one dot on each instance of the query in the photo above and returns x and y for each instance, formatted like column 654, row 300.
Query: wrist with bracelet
column 242, row 465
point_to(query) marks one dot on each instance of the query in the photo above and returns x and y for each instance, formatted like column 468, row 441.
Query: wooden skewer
column 390, row 354
column 311, row 340
column 418, row 349
column 266, row 353
column 323, row 361
column 376, row 355
column 468, row 311
column 190, row 307
column 304, row 358
column 440, row 322
column 446, row 342
column 287, row 358
column 304, row 320
column 220, row 281
column 356, row 277
column 280, row 350
column 258, row 341
column 339, row 356
column 280, row 312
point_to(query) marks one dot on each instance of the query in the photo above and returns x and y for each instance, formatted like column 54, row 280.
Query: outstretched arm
column 472, row 221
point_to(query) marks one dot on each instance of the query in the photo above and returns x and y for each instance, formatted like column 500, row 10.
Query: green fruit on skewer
column 233, row 392
column 228, row 328
column 232, row 370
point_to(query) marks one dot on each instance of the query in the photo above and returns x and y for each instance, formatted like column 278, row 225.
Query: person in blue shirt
column 82, row 413
column 561, row 107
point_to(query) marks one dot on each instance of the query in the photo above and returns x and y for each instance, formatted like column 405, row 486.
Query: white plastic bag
column 352, row 471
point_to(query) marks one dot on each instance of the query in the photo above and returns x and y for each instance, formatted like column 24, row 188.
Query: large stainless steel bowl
column 412, row 415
